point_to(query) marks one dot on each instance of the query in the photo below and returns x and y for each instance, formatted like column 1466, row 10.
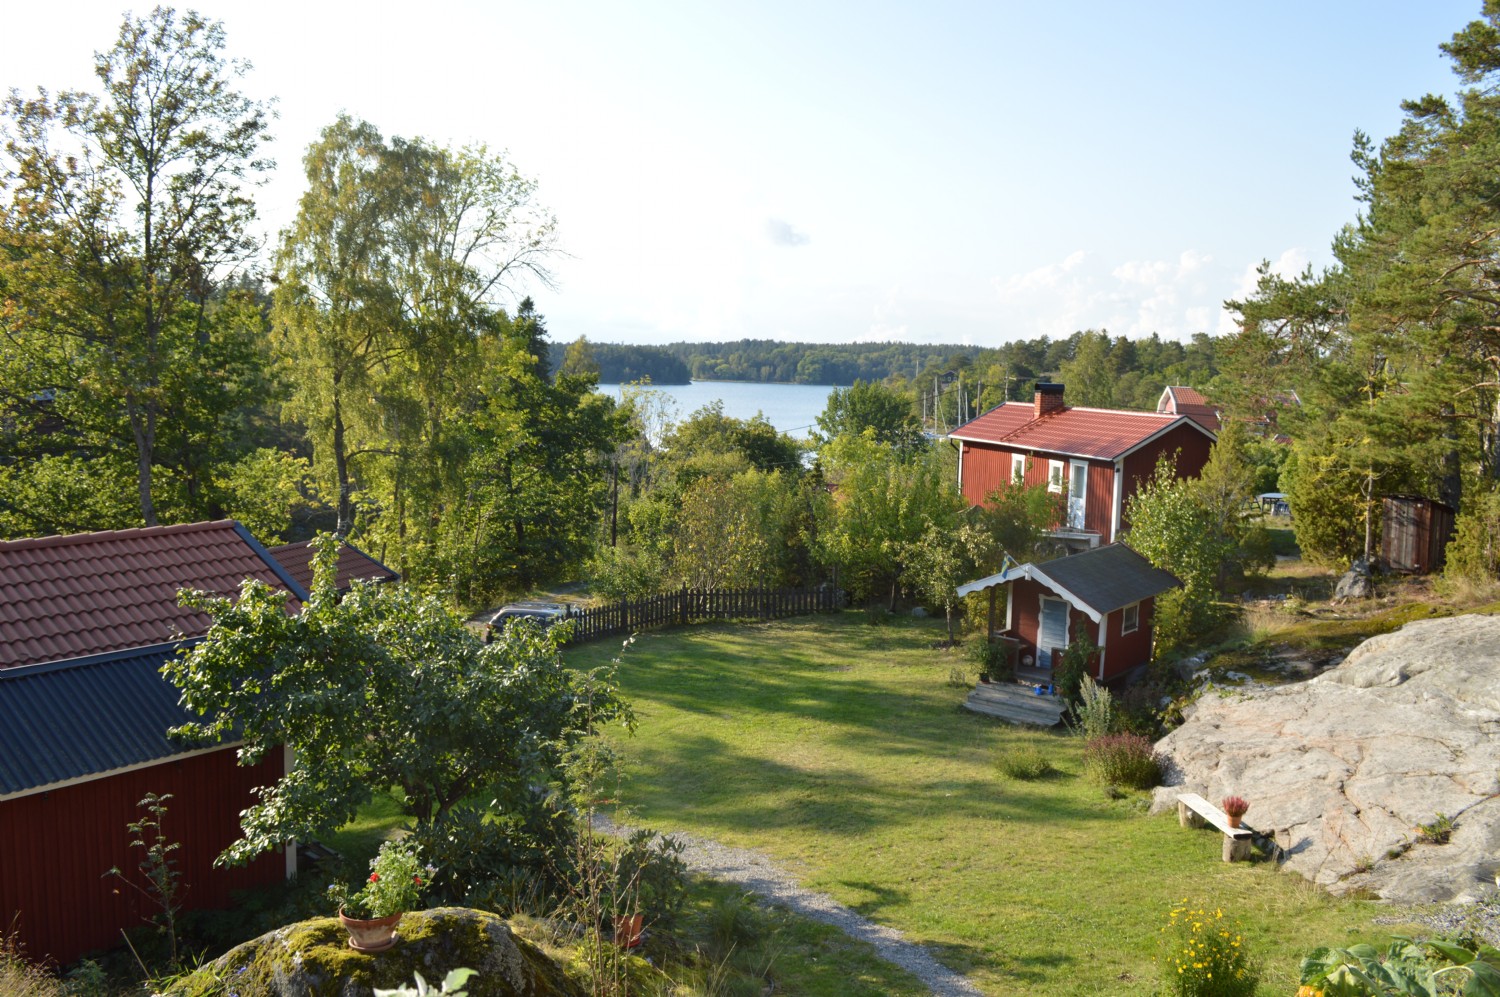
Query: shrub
column 1122, row 760
column 1203, row 955
column 1093, row 715
column 1436, row 965
column 1026, row 760
column 20, row 978
column 1438, row 832
column 990, row 659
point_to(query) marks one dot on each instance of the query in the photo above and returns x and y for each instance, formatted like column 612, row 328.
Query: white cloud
column 1289, row 264
column 1045, row 276
column 782, row 233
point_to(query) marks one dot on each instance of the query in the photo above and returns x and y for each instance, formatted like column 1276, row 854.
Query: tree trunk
column 341, row 469
column 143, row 428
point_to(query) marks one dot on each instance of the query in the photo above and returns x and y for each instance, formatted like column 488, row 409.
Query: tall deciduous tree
column 124, row 210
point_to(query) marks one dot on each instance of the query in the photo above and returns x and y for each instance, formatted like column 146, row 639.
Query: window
column 1054, row 476
column 1130, row 619
column 1017, row 468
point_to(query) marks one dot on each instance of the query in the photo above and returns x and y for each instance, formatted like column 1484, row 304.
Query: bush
column 1093, row 715
column 1122, row 760
column 1026, row 760
column 1203, row 955
column 990, row 658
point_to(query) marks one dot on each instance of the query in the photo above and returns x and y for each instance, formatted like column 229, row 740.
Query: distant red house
column 1096, row 457
column 86, row 622
column 1108, row 592
column 1178, row 400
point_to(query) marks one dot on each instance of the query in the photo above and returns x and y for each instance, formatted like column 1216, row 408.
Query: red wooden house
column 1096, row 457
column 1179, row 400
column 86, row 622
column 1108, row 593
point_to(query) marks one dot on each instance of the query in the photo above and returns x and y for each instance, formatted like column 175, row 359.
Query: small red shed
column 1414, row 534
column 1109, row 592
column 86, row 622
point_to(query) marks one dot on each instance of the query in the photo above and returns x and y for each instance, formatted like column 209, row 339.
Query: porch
column 1015, row 703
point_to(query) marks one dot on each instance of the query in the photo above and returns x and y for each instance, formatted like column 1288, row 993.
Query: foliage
column 1234, row 806
column 1438, row 831
column 1122, row 760
column 871, row 405
column 395, row 885
column 21, row 978
column 128, row 210
column 1473, row 554
column 1407, row 967
column 938, row 562
column 1203, row 955
column 383, row 688
column 1017, row 521
column 264, row 489
column 1026, row 760
column 735, row 532
column 163, row 886
column 1078, row 659
column 452, row 986
column 1092, row 714
column 1324, row 491
column 627, row 363
column 648, row 876
column 991, row 657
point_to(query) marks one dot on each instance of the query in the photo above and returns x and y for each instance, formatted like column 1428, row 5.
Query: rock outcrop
column 1341, row 771
column 313, row 959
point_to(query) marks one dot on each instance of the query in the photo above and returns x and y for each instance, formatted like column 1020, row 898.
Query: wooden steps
column 1017, row 703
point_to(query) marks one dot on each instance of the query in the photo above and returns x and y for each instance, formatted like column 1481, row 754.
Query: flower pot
column 628, row 930
column 1233, row 820
column 370, row 936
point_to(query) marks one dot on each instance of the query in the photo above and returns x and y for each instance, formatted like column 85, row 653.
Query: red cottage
column 1096, row 457
column 86, row 622
column 1108, row 592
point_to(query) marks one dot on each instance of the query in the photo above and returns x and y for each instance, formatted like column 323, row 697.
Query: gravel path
column 757, row 873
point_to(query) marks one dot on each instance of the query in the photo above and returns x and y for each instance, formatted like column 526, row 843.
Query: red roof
column 1101, row 434
column 70, row 596
column 1177, row 399
column 353, row 564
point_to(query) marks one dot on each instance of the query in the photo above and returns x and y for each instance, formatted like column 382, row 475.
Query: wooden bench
column 1194, row 811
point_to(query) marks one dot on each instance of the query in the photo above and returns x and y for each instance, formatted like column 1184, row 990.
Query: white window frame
column 1017, row 468
column 1125, row 626
column 1055, row 476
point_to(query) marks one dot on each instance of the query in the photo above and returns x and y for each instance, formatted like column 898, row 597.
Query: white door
column 1078, row 490
column 1052, row 631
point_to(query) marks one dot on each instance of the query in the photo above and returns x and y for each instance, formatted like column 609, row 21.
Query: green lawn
column 838, row 747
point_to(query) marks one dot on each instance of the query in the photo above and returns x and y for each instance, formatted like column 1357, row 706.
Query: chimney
column 1049, row 399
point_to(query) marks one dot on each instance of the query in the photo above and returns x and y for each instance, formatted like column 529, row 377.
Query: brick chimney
column 1049, row 398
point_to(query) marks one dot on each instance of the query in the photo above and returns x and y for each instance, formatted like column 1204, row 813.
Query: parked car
column 544, row 613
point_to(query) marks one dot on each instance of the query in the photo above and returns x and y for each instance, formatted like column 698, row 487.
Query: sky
column 941, row 172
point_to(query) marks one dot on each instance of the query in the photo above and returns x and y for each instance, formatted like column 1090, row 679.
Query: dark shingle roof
column 69, row 596
column 1107, row 578
column 353, row 564
column 68, row 720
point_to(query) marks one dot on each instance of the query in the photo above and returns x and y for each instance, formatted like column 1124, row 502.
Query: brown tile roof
column 69, row 596
column 1177, row 399
column 353, row 563
column 1102, row 434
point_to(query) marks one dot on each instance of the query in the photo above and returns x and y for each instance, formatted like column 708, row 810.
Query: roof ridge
column 64, row 539
column 1120, row 411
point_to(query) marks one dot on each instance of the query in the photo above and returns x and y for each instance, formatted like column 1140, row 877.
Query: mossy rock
column 313, row 959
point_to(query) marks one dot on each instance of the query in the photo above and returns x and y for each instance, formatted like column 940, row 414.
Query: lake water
column 791, row 408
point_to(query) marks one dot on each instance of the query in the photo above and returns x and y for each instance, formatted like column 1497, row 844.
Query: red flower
column 374, row 877
column 417, row 880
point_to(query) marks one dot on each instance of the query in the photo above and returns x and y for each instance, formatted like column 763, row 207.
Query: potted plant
column 395, row 886
column 1234, row 808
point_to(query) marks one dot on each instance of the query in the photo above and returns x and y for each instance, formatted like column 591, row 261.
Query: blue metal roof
column 85, row 716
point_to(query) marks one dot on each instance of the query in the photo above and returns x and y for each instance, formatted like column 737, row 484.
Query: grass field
column 839, row 748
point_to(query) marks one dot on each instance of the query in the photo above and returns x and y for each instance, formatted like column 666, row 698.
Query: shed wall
column 57, row 846
column 1139, row 466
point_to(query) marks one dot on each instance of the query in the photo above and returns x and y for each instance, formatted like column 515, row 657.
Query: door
column 1078, row 490
column 1052, row 632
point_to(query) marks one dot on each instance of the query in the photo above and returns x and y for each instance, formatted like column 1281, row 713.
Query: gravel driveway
column 757, row 873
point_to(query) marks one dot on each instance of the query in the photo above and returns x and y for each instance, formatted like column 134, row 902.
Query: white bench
column 1194, row 811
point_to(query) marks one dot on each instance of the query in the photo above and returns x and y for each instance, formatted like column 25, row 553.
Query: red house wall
column 1026, row 613
column 988, row 468
column 1099, row 500
column 1139, row 466
column 56, row 846
column 1122, row 652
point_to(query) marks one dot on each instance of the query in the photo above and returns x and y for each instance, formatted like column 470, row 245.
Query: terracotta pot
column 628, row 930
column 370, row 936
column 1233, row 820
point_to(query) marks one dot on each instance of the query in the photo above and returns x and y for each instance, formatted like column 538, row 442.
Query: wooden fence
column 697, row 605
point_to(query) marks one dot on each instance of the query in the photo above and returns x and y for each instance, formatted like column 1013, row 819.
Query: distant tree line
column 623, row 363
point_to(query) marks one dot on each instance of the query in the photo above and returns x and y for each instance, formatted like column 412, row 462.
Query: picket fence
column 699, row 605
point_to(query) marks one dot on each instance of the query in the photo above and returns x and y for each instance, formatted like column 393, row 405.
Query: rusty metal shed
column 1414, row 533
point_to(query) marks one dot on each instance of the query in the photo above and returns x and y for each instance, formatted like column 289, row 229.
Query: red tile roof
column 353, row 563
column 69, row 596
column 1102, row 434
column 1177, row 399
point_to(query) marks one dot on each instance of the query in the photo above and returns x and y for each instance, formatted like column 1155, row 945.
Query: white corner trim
column 1114, row 529
column 1103, row 639
column 960, row 467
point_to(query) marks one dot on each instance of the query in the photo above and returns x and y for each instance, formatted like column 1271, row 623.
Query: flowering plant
column 395, row 885
column 1203, row 955
column 1234, row 806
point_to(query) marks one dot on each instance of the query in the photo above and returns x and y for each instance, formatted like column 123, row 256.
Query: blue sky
column 943, row 172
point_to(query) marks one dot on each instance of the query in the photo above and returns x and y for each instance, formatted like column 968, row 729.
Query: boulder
column 1342, row 769
column 1356, row 583
column 313, row 959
